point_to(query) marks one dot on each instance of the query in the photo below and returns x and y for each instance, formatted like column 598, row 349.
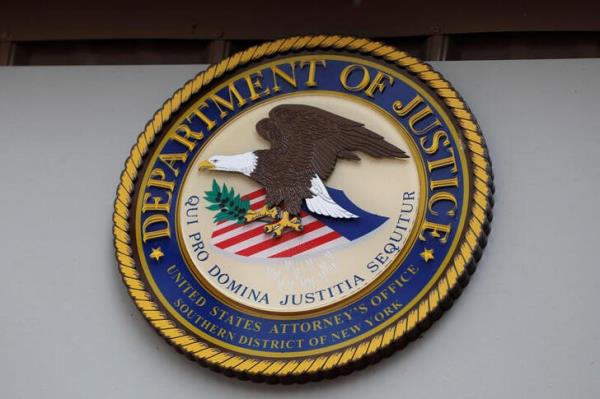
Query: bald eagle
column 306, row 143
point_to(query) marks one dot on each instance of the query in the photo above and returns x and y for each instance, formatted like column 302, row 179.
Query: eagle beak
column 206, row 165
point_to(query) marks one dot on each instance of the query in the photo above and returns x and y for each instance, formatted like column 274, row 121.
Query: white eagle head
column 242, row 163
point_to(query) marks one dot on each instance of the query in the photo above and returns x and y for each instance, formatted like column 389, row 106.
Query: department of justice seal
column 303, row 208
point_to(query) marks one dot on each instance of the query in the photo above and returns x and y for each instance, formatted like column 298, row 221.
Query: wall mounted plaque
column 303, row 208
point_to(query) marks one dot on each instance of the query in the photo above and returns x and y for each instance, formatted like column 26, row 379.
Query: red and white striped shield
column 319, row 232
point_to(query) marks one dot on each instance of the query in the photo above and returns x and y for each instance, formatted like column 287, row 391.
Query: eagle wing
column 306, row 143
column 321, row 137
column 268, row 130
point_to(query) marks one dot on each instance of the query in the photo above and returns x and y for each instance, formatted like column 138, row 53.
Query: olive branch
column 228, row 204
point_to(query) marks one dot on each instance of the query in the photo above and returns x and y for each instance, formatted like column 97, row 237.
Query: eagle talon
column 260, row 213
column 296, row 224
column 277, row 228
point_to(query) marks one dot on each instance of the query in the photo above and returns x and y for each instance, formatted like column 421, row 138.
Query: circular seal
column 303, row 208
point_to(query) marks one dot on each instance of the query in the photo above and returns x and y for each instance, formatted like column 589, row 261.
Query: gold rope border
column 428, row 309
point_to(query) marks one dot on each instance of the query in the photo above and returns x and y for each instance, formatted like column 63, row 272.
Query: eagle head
column 242, row 163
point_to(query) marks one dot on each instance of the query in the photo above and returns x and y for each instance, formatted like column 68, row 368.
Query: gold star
column 427, row 255
column 156, row 253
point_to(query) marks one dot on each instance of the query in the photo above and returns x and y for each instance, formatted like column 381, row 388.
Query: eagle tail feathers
column 322, row 203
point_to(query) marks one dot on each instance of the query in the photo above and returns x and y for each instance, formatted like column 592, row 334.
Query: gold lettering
column 198, row 112
column 256, row 84
column 378, row 83
column 187, row 134
column 291, row 79
column 346, row 74
column 220, row 101
column 312, row 70
column 403, row 110
column 435, row 229
column 171, row 159
column 419, row 116
column 435, row 144
column 440, row 163
column 157, row 179
column 437, row 184
column 156, row 204
column 151, row 220
column 442, row 196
